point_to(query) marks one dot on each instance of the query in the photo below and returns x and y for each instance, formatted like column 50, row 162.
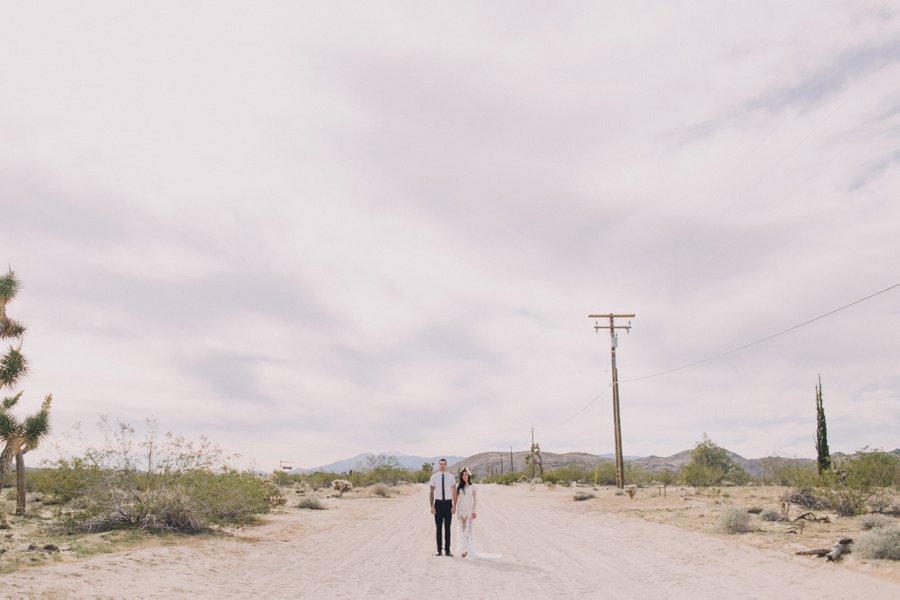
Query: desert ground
column 366, row 546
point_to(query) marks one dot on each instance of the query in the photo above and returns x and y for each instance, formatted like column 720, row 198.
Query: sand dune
column 552, row 547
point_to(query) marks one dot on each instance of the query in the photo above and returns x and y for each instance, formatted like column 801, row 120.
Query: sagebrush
column 734, row 520
column 881, row 542
column 159, row 483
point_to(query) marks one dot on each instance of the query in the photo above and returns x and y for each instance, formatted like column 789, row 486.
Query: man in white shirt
column 443, row 492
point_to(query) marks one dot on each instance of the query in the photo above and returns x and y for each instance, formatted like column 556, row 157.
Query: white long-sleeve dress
column 466, row 509
column 466, row 506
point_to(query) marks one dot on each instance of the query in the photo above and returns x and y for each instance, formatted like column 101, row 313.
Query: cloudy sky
column 308, row 230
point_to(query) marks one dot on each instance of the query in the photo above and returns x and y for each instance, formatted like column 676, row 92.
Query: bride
column 466, row 513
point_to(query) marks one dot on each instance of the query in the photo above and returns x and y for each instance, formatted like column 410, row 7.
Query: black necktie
column 443, row 492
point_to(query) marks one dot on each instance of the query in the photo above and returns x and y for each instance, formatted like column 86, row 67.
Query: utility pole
column 617, row 423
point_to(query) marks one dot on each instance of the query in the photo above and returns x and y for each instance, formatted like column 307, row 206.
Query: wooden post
column 617, row 422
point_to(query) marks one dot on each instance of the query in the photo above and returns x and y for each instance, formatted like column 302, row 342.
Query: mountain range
column 486, row 463
column 361, row 461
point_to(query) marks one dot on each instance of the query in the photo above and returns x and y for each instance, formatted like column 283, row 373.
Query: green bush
column 711, row 465
column 186, row 502
column 568, row 474
column 161, row 483
column 881, row 543
column 505, row 479
column 637, row 476
column 67, row 480
column 734, row 520
column 790, row 472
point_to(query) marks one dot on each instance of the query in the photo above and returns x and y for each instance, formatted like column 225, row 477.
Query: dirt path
column 378, row 547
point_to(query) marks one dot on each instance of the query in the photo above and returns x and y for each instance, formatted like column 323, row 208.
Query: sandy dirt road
column 384, row 548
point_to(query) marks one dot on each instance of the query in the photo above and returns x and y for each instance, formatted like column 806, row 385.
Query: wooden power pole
column 617, row 423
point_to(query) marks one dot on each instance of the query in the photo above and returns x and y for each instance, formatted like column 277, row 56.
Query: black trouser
column 443, row 514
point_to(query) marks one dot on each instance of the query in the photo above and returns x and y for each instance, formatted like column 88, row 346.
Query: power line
column 584, row 408
column 719, row 355
column 762, row 339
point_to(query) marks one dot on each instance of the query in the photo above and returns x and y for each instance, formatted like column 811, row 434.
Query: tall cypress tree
column 823, row 457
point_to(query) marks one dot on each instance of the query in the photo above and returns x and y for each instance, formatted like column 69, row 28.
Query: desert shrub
column 637, row 476
column 284, row 479
column 664, row 477
column 67, row 479
column 187, row 502
column 790, row 472
column 770, row 515
column 582, row 495
column 4, row 524
column 606, row 474
column 806, row 498
column 872, row 521
column 881, row 542
column 320, row 479
column 568, row 474
column 755, row 510
column 866, row 479
column 161, row 483
column 847, row 501
column 379, row 489
column 711, row 465
column 505, row 479
column 341, row 486
column 311, row 503
column 734, row 520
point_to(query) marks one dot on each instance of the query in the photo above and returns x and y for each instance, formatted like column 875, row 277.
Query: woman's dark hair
column 462, row 483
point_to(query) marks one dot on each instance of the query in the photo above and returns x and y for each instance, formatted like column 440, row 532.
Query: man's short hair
column 442, row 460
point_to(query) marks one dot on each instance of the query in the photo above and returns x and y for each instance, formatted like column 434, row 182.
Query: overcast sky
column 309, row 230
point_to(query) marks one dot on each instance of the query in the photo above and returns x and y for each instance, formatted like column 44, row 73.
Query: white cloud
column 312, row 231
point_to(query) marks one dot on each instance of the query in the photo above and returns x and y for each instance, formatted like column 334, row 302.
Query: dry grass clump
column 734, row 520
column 311, row 503
column 881, row 542
column 770, row 515
column 382, row 490
column 873, row 521
column 580, row 495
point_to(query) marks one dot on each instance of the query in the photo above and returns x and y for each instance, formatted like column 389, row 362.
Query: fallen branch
column 808, row 516
column 840, row 547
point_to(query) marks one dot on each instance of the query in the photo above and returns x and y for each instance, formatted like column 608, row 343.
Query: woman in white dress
column 466, row 512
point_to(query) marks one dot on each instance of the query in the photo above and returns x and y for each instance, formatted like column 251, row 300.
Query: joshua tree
column 823, row 460
column 18, row 437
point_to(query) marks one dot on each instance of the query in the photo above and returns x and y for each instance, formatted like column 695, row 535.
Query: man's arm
column 431, row 499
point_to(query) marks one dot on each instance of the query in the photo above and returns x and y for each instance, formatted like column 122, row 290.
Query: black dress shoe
column 439, row 553
column 449, row 554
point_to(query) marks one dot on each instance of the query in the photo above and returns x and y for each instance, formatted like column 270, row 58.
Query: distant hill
column 487, row 463
column 358, row 463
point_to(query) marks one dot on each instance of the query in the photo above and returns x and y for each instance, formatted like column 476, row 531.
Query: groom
column 443, row 489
